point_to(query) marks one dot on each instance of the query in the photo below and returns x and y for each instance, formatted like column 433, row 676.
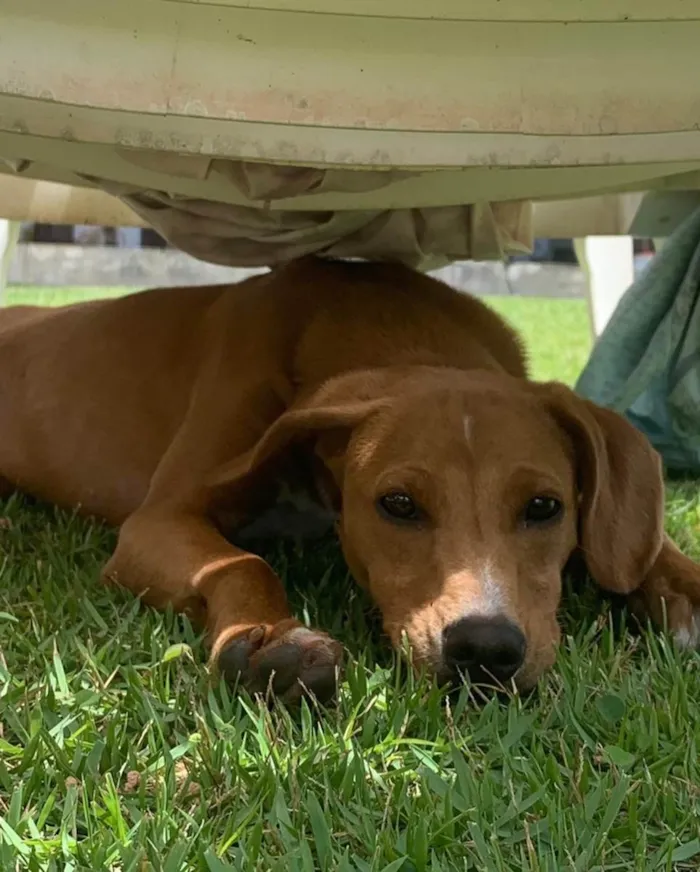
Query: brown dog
column 459, row 488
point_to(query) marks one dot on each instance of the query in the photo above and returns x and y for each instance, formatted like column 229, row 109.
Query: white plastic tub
column 398, row 105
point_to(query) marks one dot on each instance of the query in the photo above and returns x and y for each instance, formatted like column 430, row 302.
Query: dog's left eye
column 399, row 506
column 541, row 509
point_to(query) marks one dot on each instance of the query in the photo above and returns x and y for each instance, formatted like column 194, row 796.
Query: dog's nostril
column 484, row 647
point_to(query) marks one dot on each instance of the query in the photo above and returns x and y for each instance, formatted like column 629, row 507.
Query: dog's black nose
column 485, row 649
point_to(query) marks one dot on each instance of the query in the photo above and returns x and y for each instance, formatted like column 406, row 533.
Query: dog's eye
column 399, row 506
column 540, row 510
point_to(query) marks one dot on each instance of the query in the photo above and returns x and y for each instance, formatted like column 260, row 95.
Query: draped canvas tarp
column 646, row 363
column 270, row 231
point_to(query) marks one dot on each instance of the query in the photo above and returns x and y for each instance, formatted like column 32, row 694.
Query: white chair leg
column 9, row 234
column 608, row 262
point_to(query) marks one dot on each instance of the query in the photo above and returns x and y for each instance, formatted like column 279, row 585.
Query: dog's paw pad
column 234, row 658
column 298, row 662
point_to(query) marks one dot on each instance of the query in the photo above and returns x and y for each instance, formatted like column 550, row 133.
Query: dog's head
column 462, row 497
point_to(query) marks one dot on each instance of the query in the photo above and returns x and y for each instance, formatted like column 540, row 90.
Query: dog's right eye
column 399, row 506
column 542, row 510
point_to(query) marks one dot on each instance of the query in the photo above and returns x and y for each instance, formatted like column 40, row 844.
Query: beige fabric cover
column 268, row 230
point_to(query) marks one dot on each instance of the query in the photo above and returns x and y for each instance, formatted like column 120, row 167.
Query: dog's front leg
column 670, row 595
column 181, row 560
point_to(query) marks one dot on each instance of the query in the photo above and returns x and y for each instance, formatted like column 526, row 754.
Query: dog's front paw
column 287, row 660
column 670, row 597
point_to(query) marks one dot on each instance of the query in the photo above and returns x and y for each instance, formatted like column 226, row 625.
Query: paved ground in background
column 69, row 265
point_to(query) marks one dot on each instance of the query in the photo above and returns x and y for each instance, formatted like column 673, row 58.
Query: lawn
column 119, row 752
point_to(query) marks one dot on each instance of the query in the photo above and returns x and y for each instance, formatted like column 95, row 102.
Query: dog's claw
column 299, row 662
column 688, row 636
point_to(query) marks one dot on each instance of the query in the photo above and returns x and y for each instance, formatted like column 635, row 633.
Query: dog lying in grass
column 379, row 400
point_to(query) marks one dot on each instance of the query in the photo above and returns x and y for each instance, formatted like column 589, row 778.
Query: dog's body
column 399, row 405
column 122, row 373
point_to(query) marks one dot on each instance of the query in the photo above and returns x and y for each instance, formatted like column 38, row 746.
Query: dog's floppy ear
column 327, row 416
column 621, row 491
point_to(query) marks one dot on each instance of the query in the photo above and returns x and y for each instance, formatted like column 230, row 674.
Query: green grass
column 29, row 296
column 118, row 751
column 556, row 332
